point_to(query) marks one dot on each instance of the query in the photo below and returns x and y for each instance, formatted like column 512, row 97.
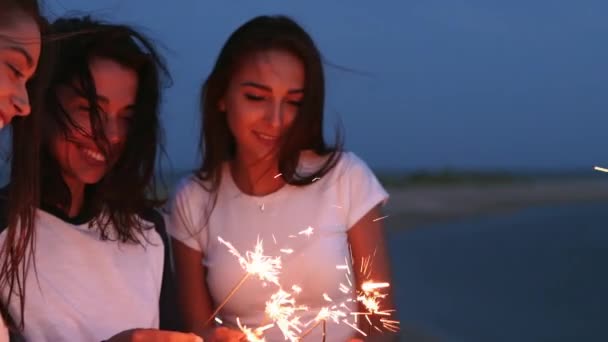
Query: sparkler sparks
column 256, row 263
column 370, row 297
column 281, row 308
column 283, row 311
column 322, row 317
column 308, row 231
column 253, row 335
column 296, row 289
column 379, row 218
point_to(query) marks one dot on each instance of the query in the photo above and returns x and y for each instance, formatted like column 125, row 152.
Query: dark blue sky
column 460, row 83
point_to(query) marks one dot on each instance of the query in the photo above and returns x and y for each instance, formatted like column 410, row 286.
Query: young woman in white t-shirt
column 95, row 264
column 20, row 45
column 267, row 173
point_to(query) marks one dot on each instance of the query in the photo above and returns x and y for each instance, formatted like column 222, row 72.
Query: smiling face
column 262, row 101
column 19, row 54
column 79, row 154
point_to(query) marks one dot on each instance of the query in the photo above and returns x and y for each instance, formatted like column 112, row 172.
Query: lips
column 92, row 156
column 266, row 137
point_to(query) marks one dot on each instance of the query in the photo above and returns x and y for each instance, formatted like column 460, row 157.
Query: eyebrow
column 28, row 58
column 105, row 100
column 267, row 88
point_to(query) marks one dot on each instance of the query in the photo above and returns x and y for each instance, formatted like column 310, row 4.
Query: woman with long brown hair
column 99, row 268
column 268, row 174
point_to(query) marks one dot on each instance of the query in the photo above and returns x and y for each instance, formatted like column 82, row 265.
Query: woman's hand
column 223, row 334
column 153, row 335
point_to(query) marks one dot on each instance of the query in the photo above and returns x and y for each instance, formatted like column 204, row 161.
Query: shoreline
column 420, row 205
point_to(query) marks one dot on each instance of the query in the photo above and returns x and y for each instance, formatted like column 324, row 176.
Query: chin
column 90, row 178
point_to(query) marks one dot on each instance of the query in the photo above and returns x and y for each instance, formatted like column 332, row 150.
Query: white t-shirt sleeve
column 364, row 190
column 186, row 210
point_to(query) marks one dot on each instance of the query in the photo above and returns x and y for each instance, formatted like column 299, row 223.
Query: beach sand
column 419, row 205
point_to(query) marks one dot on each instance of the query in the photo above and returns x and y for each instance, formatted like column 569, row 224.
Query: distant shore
column 419, row 205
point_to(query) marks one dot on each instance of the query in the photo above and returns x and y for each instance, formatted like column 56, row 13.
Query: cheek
column 63, row 152
column 241, row 117
column 290, row 117
column 5, row 85
column 236, row 123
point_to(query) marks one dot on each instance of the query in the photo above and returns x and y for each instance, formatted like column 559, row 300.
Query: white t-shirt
column 331, row 206
column 87, row 289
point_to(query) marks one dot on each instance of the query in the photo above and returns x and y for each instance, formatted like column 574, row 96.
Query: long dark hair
column 217, row 144
column 129, row 186
column 22, row 194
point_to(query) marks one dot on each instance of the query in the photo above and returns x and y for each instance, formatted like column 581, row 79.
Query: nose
column 275, row 115
column 114, row 132
column 21, row 101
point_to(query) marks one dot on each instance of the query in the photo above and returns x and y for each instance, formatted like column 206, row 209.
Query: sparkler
column 255, row 264
column 601, row 169
column 281, row 308
column 324, row 314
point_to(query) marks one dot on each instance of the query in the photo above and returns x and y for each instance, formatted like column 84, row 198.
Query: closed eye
column 253, row 97
column 15, row 71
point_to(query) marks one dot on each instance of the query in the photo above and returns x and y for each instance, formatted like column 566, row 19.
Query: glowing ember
column 296, row 289
column 379, row 218
column 371, row 286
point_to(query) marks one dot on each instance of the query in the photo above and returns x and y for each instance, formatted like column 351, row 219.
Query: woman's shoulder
column 192, row 186
column 346, row 164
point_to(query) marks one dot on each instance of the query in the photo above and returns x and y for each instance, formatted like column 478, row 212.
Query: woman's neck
column 257, row 178
column 76, row 195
